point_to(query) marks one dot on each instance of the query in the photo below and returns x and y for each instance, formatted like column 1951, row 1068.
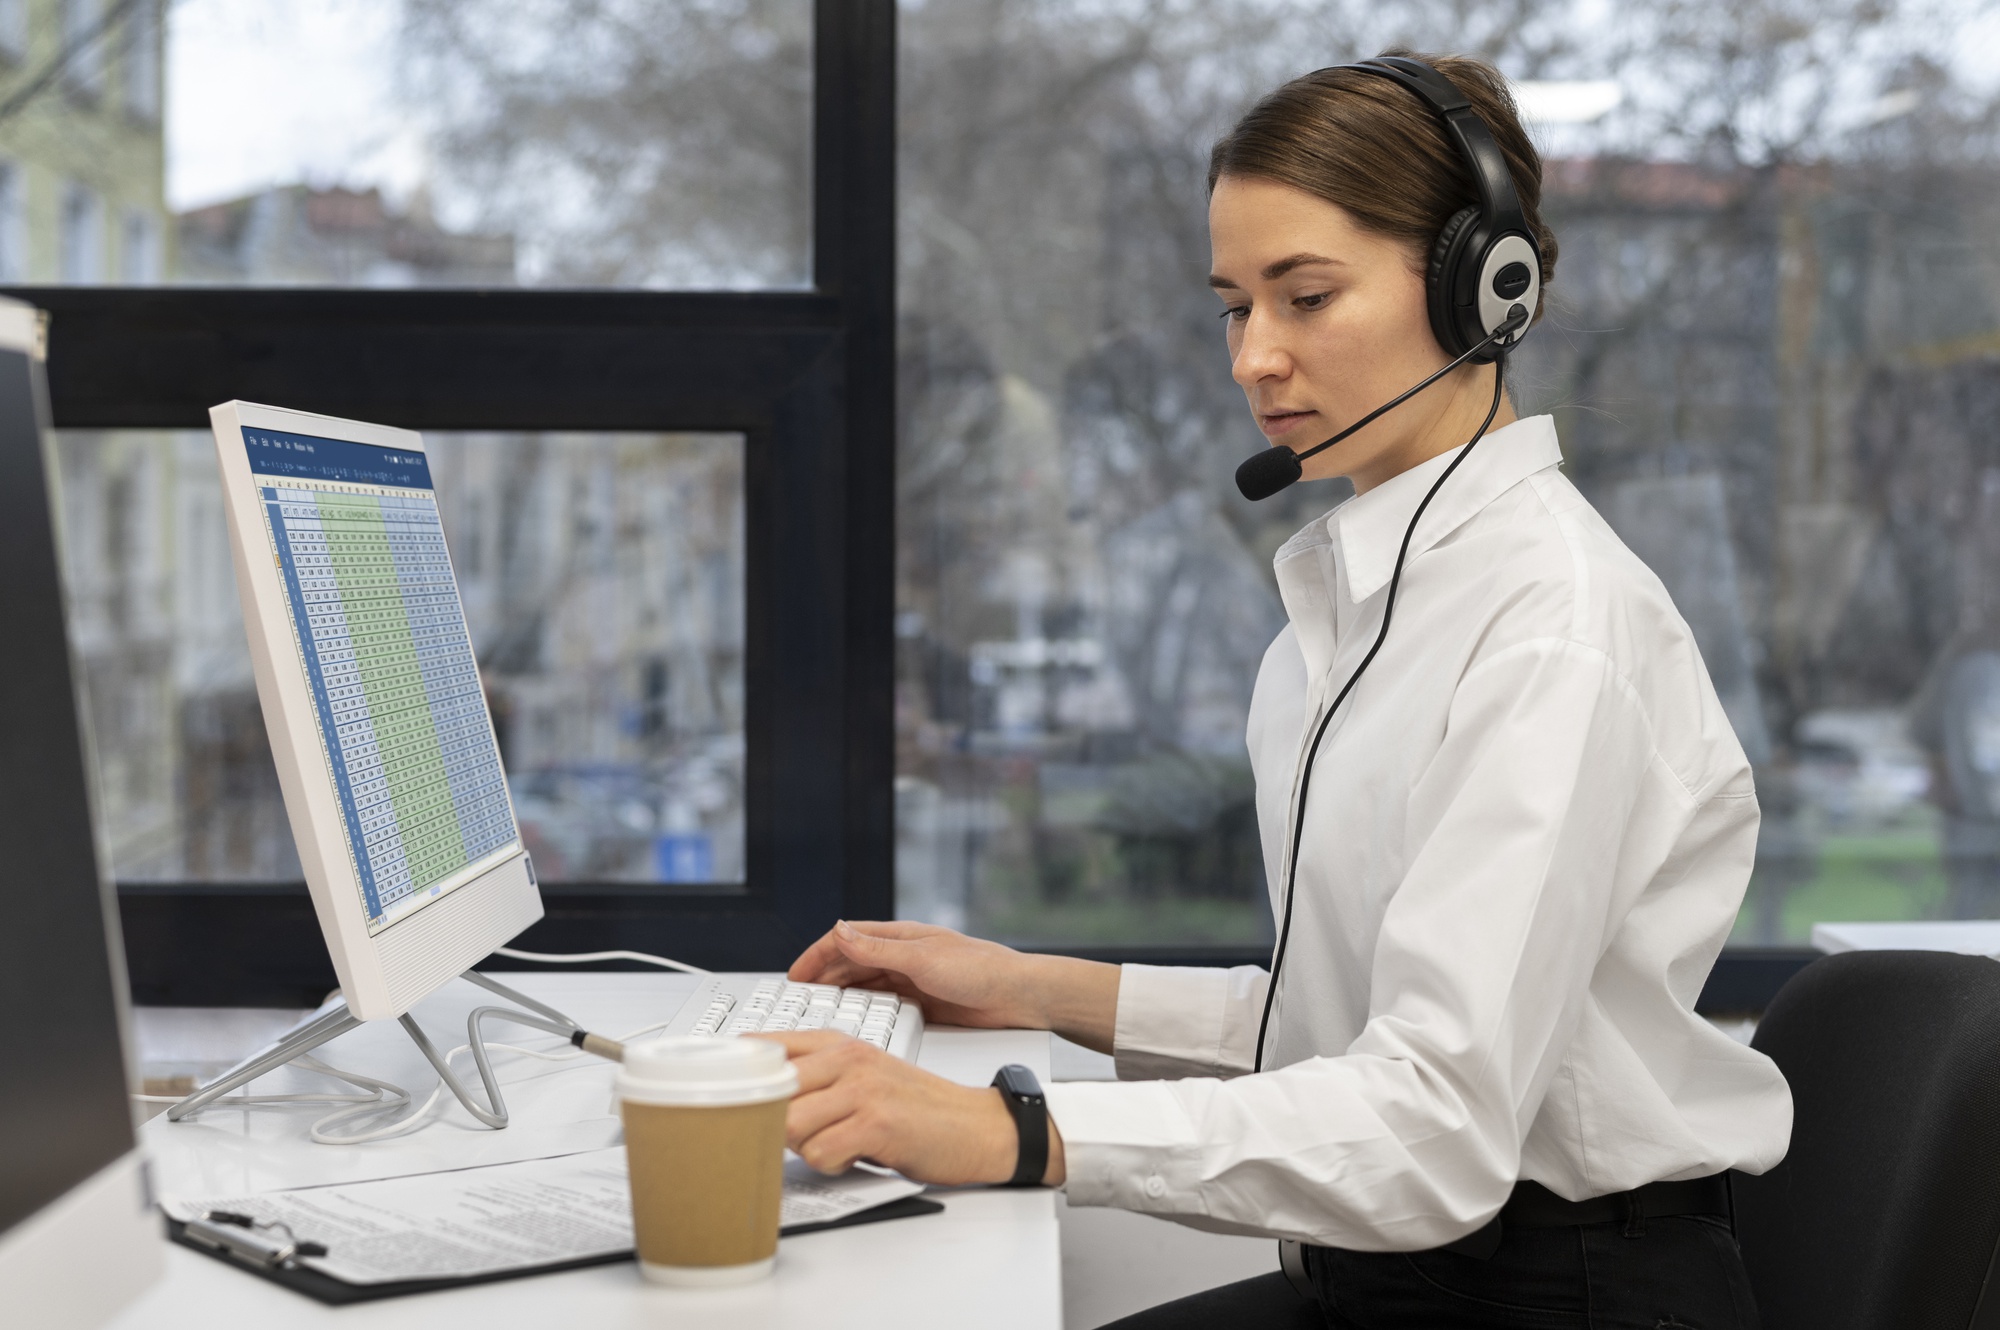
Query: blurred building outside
column 602, row 576
column 300, row 235
column 82, row 164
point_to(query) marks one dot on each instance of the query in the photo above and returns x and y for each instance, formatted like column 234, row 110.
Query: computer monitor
column 78, row 1238
column 385, row 749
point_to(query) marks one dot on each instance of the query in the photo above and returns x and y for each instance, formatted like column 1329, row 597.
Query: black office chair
column 1885, row 1215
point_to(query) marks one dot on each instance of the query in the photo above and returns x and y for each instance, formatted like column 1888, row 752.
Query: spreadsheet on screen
column 376, row 619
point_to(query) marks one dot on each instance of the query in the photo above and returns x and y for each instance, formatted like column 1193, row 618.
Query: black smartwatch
column 1022, row 1094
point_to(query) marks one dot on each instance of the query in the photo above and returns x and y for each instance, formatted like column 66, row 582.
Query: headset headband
column 1490, row 176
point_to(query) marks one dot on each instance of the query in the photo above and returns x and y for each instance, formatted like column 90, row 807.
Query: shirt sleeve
column 1413, row 1137
column 1175, row 1021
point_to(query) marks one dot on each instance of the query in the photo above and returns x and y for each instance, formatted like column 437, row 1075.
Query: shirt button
column 1156, row 1187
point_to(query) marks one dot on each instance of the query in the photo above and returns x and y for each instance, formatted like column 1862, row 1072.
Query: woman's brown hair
column 1374, row 148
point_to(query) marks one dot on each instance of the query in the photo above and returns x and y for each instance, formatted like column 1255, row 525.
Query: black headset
column 1484, row 261
column 1485, row 273
column 1484, row 279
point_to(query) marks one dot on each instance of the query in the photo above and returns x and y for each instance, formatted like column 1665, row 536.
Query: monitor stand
column 340, row 1020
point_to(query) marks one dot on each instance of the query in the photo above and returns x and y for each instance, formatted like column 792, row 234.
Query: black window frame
column 806, row 377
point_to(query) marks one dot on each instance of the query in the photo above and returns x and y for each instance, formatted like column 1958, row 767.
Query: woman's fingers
column 818, row 1056
column 835, row 1147
column 855, row 1102
column 873, row 952
column 813, row 961
column 833, row 1076
column 828, row 961
column 902, row 929
column 811, row 1114
column 958, row 980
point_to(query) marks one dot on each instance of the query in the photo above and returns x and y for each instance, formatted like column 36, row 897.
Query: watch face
column 1018, row 1081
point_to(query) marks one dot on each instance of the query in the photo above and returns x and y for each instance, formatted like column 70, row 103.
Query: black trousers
column 1678, row 1273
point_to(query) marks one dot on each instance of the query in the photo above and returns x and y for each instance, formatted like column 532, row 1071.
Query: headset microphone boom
column 1264, row 474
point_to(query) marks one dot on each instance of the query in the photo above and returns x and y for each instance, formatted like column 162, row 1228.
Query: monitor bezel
column 382, row 973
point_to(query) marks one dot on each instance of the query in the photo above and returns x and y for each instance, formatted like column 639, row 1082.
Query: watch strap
column 1029, row 1108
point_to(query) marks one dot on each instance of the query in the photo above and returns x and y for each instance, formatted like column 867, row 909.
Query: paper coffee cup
column 705, row 1148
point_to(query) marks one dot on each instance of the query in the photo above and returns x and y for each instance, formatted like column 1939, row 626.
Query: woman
column 1506, row 840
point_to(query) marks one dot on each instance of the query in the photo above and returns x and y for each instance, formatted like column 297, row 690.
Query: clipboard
column 322, row 1287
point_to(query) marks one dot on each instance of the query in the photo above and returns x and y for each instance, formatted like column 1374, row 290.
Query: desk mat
column 338, row 1293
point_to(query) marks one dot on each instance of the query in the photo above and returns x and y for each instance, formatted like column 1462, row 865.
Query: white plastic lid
column 693, row 1069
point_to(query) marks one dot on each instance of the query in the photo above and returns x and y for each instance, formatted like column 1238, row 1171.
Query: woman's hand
column 964, row 981
column 855, row 1102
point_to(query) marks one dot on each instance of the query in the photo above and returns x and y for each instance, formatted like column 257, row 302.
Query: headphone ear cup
column 1448, row 257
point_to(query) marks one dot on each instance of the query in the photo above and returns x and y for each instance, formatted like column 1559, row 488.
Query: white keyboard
column 727, row 1005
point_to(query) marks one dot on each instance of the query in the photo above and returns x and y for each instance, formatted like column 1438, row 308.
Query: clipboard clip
column 268, row 1246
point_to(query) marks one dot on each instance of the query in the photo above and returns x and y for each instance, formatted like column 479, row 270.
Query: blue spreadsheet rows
column 372, row 788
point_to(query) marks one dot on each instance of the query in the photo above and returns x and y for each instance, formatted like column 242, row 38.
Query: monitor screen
column 376, row 619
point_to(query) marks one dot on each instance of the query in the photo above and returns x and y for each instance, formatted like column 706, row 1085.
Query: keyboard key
column 775, row 1006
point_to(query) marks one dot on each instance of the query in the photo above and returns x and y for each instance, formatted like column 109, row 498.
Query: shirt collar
column 1370, row 526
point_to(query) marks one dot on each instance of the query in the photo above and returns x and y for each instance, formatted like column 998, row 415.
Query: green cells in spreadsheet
column 396, row 685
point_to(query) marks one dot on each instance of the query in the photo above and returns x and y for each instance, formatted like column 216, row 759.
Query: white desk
column 991, row 1259
column 1969, row 937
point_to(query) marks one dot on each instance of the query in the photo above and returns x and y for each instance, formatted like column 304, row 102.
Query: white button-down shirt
column 1527, row 835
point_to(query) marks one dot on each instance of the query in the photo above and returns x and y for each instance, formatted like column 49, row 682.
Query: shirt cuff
column 1131, row 1147
column 1176, row 1021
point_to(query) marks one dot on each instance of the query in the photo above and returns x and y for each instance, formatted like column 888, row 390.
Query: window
column 446, row 143
column 13, row 223
column 603, row 578
column 140, row 61
column 1770, row 357
column 669, row 509
column 81, row 238
column 139, row 249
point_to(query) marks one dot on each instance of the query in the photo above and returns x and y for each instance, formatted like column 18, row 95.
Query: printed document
column 505, row 1216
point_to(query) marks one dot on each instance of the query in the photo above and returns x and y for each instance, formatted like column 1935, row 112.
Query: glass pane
column 407, row 142
column 603, row 581
column 1771, row 357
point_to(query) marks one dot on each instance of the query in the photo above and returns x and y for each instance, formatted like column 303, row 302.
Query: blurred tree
column 628, row 143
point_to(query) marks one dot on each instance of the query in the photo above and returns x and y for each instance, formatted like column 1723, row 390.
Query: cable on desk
column 379, row 1090
column 582, row 957
column 384, row 1097
column 322, row 1135
column 387, row 1097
